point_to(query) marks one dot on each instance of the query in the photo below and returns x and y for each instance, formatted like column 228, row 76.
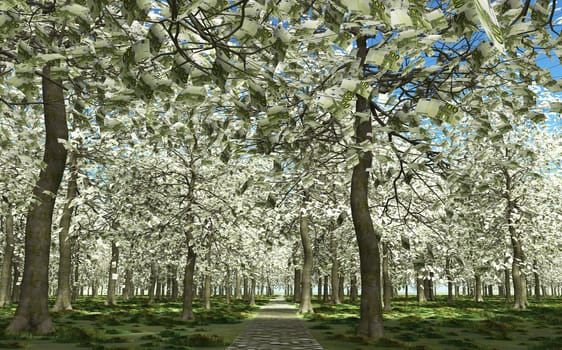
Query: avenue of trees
column 344, row 149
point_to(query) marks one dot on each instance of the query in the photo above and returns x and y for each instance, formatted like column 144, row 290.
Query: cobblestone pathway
column 276, row 327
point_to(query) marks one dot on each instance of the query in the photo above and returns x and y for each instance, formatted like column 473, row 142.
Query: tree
column 32, row 313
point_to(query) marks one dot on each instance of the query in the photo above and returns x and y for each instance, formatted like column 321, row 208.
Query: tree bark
column 370, row 323
column 507, row 286
column 297, row 286
column 63, row 301
column 6, row 276
column 341, row 287
column 449, row 280
column 111, row 286
column 319, row 288
column 519, row 282
column 353, row 288
column 152, row 282
column 128, row 290
column 420, row 290
column 207, row 291
column 387, row 285
column 32, row 314
column 187, row 312
column 227, row 285
column 306, row 285
column 238, row 287
column 16, row 287
column 478, row 288
column 335, row 299
column 253, row 292
column 537, row 281
column 175, row 287
column 326, row 289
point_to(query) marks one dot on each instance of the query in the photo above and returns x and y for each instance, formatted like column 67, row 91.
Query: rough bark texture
column 387, row 285
column 306, row 283
column 187, row 312
column 370, row 323
column 319, row 288
column 112, row 284
column 6, row 273
column 32, row 314
column 63, row 301
column 342, row 288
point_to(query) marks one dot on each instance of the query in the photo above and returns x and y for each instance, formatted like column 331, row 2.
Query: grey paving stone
column 276, row 327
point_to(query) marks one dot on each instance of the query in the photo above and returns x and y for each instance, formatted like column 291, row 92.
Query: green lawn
column 134, row 325
column 491, row 325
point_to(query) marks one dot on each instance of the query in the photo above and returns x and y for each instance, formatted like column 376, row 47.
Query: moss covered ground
column 438, row 325
column 134, row 325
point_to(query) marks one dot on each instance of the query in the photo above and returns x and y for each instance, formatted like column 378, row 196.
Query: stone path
column 276, row 327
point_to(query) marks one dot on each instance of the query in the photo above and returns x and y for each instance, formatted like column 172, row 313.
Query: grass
column 438, row 325
column 134, row 325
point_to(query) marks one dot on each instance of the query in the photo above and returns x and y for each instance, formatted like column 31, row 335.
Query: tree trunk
column 207, row 291
column 387, row 286
column 246, row 289
column 507, row 285
column 297, row 286
column 371, row 323
column 335, row 299
column 319, row 288
column 341, row 288
column 111, row 286
column 306, row 285
column 537, row 281
column 152, row 282
column 175, row 287
column 127, row 291
column 6, row 276
column 16, row 286
column 32, row 314
column 326, row 293
column 238, row 288
column 353, row 288
column 420, row 290
column 227, row 285
column 187, row 312
column 63, row 301
column 253, row 292
column 76, row 277
column 478, row 288
column 449, row 280
column 519, row 283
